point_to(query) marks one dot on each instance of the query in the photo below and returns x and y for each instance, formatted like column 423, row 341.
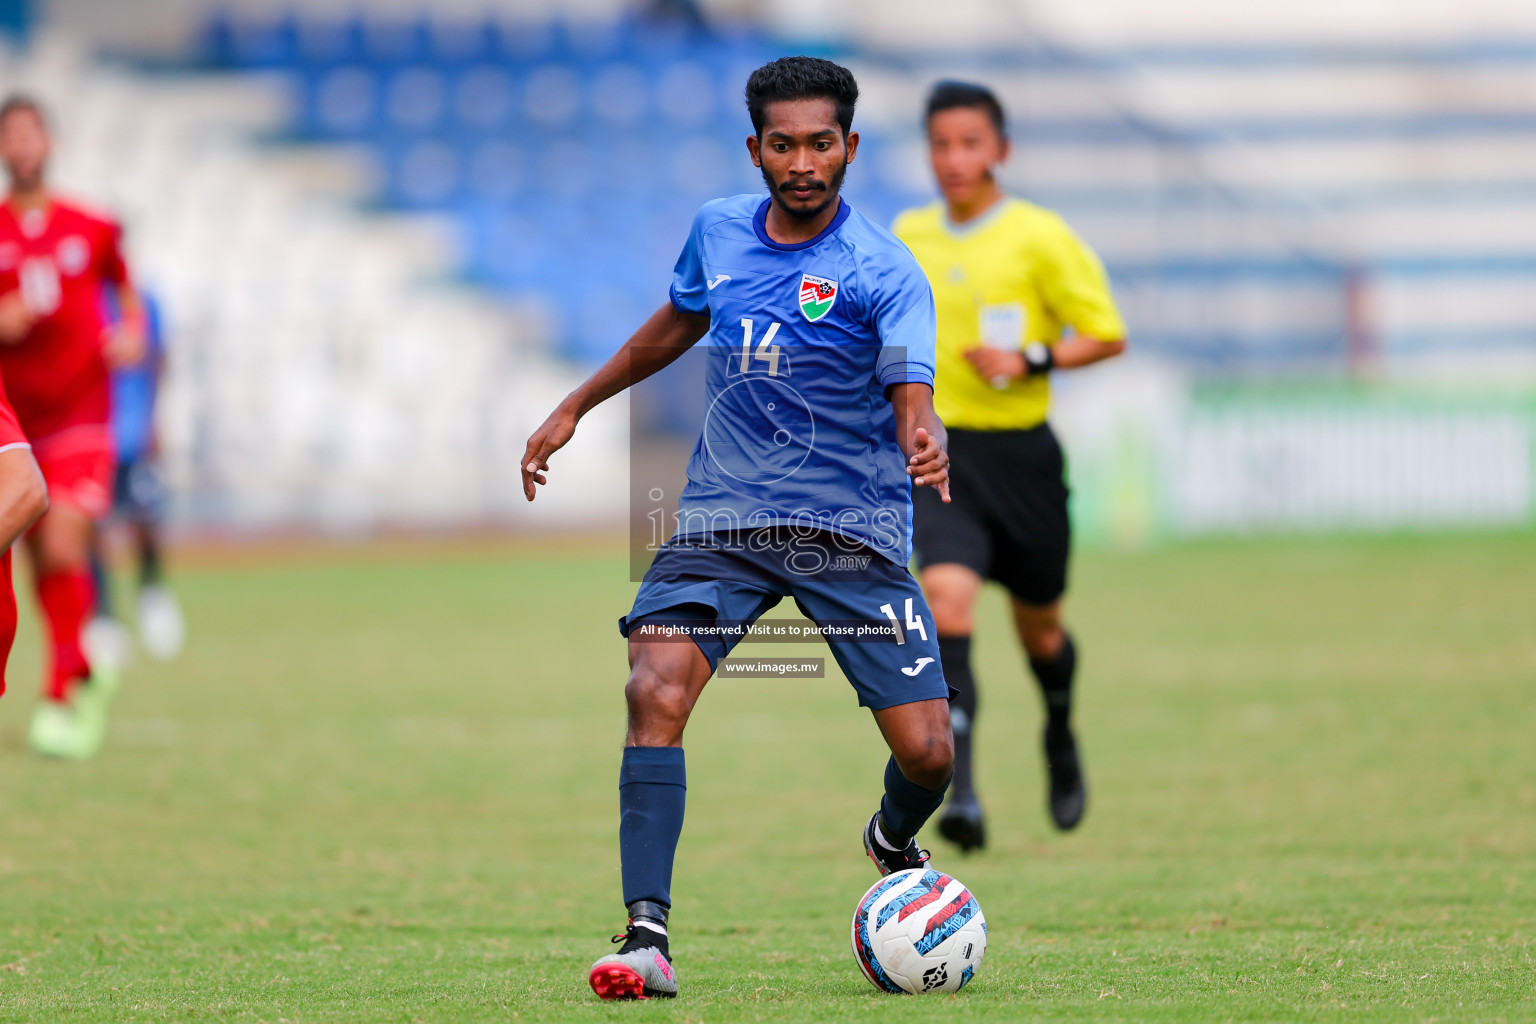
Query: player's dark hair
column 950, row 95
column 802, row 78
column 21, row 101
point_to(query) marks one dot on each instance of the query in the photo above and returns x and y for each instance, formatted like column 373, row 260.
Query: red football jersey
column 58, row 258
column 10, row 437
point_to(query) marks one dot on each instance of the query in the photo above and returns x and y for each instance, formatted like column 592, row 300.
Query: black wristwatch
column 1038, row 359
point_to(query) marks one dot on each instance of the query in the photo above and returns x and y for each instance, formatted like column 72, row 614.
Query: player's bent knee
column 951, row 593
column 655, row 699
column 61, row 542
column 1040, row 629
column 931, row 772
column 1044, row 642
column 60, row 555
column 931, row 765
column 951, row 617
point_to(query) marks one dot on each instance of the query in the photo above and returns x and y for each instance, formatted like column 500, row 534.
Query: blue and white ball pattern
column 919, row 931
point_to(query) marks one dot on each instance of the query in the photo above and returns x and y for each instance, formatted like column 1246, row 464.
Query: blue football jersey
column 135, row 388
column 804, row 340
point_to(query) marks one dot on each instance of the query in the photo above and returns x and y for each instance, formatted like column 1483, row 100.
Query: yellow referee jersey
column 1015, row 276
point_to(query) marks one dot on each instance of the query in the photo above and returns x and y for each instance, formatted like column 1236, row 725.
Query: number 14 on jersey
column 766, row 352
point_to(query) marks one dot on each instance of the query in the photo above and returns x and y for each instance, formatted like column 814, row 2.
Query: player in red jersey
column 55, row 353
column 23, row 497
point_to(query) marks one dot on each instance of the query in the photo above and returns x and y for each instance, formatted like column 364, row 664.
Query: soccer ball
column 917, row 931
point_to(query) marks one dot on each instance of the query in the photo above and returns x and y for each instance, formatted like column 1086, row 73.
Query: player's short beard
column 833, row 188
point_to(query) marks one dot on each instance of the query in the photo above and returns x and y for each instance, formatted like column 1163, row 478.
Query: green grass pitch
column 380, row 786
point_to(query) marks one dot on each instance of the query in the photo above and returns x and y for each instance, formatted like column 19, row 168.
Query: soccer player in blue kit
column 818, row 330
column 138, row 500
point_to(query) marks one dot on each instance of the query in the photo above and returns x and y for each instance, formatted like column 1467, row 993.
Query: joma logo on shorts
column 846, row 563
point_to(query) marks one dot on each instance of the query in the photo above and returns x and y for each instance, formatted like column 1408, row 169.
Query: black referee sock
column 1055, row 678
column 955, row 659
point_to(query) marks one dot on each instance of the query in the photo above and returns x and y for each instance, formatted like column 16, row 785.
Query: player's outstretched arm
column 922, row 437
column 23, row 495
column 657, row 344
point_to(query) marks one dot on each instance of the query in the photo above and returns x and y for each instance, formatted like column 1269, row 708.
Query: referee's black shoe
column 1069, row 793
column 963, row 824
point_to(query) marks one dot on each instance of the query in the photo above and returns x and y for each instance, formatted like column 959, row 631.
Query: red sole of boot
column 615, row 981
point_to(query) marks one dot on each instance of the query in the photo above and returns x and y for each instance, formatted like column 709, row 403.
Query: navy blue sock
column 102, row 585
column 652, row 787
column 906, row 806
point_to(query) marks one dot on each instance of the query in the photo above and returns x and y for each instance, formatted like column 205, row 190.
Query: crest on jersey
column 73, row 255
column 816, row 296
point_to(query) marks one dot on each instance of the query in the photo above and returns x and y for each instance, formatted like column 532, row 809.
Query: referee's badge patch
column 816, row 296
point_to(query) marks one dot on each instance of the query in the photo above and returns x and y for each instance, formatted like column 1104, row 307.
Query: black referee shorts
column 1007, row 518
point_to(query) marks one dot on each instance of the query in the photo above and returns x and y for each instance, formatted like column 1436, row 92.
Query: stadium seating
column 325, row 367
column 541, row 142
column 411, row 222
column 1258, row 207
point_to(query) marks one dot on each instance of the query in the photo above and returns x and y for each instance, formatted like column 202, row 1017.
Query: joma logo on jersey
column 816, row 296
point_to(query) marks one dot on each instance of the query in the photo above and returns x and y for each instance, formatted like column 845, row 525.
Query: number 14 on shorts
column 914, row 622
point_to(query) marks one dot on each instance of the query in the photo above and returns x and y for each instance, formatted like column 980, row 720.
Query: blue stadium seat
column 552, row 96
column 618, row 94
column 324, row 42
column 428, row 173
column 416, row 98
column 686, row 93
column 498, row 171
column 564, row 170
column 524, row 42
column 590, row 40
column 215, row 43
column 485, row 98
column 253, row 43
column 603, row 318
column 343, row 102
column 661, row 44
column 453, row 41
column 503, row 248
column 391, row 42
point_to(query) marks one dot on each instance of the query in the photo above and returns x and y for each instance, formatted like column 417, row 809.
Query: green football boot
column 75, row 729
column 53, row 730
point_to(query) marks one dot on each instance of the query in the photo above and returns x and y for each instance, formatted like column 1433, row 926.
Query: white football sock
column 880, row 838
column 654, row 926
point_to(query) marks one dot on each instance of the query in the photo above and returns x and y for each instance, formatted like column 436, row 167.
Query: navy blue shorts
column 736, row 578
column 138, row 492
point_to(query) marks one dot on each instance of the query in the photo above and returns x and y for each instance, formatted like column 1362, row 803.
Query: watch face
column 1036, row 352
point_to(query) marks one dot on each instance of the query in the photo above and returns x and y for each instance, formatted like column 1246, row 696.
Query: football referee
column 1019, row 296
